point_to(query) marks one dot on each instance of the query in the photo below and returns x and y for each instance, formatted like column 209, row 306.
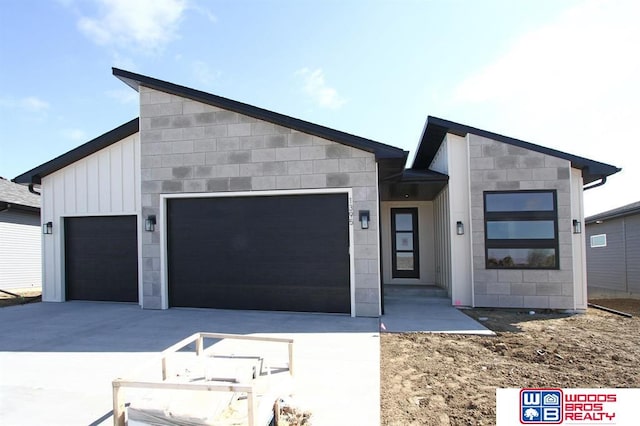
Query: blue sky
column 564, row 74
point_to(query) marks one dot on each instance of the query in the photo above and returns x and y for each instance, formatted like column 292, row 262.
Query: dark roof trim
column 418, row 176
column 380, row 150
column 436, row 129
column 629, row 209
column 5, row 206
column 35, row 175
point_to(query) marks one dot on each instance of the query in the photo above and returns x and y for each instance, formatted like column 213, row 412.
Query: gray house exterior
column 20, row 237
column 613, row 252
column 203, row 201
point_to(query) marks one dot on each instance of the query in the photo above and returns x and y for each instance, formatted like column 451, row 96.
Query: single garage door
column 282, row 253
column 101, row 258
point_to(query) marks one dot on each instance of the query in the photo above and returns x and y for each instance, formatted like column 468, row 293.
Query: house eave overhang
column 628, row 210
column 35, row 175
column 413, row 185
column 7, row 206
column 381, row 151
column 436, row 129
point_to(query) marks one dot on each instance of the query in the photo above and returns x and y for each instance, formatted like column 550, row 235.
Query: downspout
column 33, row 191
column 603, row 180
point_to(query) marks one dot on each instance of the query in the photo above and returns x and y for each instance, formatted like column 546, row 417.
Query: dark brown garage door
column 101, row 258
column 283, row 253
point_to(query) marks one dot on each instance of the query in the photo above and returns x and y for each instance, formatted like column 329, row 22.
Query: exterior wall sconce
column 459, row 228
column 577, row 226
column 47, row 228
column 150, row 223
column 364, row 218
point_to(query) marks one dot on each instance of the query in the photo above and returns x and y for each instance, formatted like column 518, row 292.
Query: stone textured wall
column 499, row 166
column 191, row 147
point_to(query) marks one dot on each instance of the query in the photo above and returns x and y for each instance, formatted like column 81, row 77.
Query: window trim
column 548, row 243
column 415, row 273
column 591, row 245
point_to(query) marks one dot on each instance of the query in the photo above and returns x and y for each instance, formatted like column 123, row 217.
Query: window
column 404, row 241
column 599, row 240
column 521, row 230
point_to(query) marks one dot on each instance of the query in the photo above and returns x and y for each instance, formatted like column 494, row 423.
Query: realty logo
column 540, row 406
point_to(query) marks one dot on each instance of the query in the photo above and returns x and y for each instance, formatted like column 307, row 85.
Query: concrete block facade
column 192, row 147
column 498, row 166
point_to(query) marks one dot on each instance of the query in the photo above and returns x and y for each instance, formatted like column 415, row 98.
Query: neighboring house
column 20, row 237
column 613, row 252
column 203, row 201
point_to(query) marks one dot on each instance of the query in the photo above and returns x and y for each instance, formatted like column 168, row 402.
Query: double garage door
column 284, row 253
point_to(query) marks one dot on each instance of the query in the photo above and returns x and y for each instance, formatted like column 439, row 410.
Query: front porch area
column 425, row 309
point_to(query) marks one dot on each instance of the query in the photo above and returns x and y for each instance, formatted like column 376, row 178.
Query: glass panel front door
column 404, row 239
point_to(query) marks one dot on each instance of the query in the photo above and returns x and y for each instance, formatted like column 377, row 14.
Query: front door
column 404, row 242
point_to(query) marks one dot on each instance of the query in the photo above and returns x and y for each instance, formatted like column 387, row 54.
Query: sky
column 562, row 74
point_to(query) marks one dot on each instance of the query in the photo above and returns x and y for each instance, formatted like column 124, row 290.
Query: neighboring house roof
column 381, row 151
column 629, row 209
column 437, row 128
column 17, row 196
column 35, row 175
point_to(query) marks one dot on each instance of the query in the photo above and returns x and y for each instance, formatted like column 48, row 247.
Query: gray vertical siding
column 614, row 270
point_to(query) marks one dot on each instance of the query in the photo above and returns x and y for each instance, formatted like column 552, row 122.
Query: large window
column 521, row 229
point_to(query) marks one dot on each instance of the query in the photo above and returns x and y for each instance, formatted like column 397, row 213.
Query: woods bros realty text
column 566, row 406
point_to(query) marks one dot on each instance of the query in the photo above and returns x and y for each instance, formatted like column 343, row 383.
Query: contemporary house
column 204, row 201
column 20, row 237
column 613, row 252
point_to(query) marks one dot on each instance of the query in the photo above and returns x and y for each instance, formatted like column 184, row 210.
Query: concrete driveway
column 57, row 360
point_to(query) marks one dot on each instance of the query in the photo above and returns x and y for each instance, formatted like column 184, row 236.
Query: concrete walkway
column 416, row 313
column 57, row 360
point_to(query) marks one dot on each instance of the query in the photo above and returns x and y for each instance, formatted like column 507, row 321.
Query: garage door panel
column 272, row 252
column 268, row 298
column 101, row 258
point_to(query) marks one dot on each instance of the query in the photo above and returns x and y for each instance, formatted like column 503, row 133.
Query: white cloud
column 140, row 24
column 34, row 104
column 205, row 75
column 315, row 86
column 76, row 135
column 573, row 85
column 124, row 96
column 28, row 103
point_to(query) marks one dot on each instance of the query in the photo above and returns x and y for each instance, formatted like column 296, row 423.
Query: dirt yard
column 24, row 296
column 430, row 379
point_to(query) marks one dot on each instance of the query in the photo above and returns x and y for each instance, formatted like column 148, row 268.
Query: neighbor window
column 521, row 229
column 599, row 240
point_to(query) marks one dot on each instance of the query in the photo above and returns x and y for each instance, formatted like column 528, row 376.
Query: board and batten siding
column 442, row 240
column 20, row 249
column 102, row 184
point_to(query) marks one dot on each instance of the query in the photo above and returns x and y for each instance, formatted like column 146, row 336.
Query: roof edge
column 625, row 210
column 436, row 128
column 380, row 149
column 36, row 174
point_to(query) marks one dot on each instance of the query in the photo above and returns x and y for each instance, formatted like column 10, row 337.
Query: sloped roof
column 17, row 195
column 36, row 174
column 392, row 159
column 437, row 128
column 629, row 209
column 381, row 151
